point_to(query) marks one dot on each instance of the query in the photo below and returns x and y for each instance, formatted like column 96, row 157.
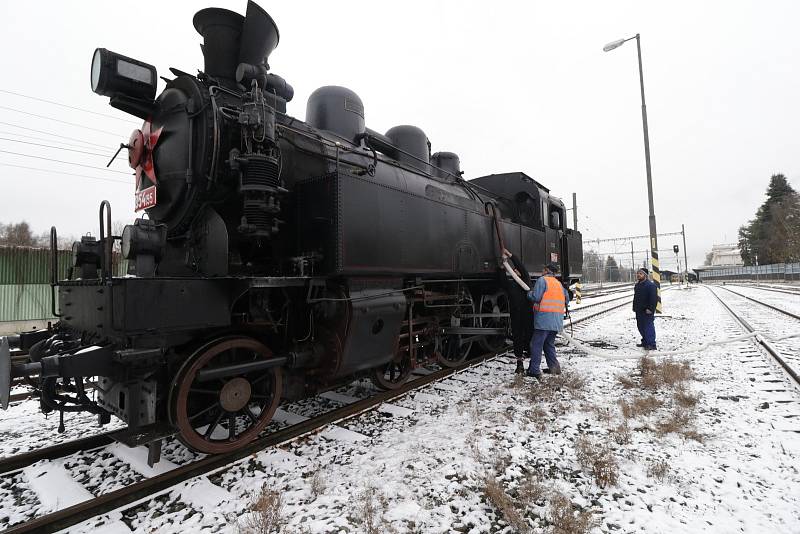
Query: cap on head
column 643, row 270
column 553, row 267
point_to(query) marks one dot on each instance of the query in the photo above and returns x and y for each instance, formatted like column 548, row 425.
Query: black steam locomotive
column 278, row 257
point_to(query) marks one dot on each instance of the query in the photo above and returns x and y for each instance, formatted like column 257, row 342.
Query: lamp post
column 654, row 266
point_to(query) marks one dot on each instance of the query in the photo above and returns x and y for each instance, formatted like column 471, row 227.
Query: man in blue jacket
column 645, row 298
column 549, row 300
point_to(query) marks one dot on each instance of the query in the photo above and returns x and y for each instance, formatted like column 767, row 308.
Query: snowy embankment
column 704, row 443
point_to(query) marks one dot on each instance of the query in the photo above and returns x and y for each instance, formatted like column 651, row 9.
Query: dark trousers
column 543, row 339
column 521, row 330
column 645, row 322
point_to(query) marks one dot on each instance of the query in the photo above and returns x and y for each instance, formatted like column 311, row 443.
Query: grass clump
column 370, row 508
column 509, row 510
column 664, row 373
column 599, row 460
column 567, row 518
column 266, row 513
column 685, row 399
column 658, row 470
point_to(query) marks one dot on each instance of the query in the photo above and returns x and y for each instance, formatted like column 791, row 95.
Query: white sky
column 507, row 85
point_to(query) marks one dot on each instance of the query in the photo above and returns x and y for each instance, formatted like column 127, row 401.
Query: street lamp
column 654, row 266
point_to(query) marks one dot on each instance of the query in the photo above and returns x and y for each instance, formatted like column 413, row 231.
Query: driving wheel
column 219, row 415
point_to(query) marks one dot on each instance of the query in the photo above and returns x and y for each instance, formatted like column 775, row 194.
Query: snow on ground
column 23, row 427
column 716, row 453
column 790, row 303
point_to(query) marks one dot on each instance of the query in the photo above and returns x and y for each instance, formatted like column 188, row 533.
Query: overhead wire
column 115, row 134
column 62, row 161
column 6, row 91
column 53, row 171
column 51, row 146
column 45, row 132
column 17, row 134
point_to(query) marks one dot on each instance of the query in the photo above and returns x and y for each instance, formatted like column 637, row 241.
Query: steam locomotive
column 278, row 257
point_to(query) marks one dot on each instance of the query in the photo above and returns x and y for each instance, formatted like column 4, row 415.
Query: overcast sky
column 508, row 86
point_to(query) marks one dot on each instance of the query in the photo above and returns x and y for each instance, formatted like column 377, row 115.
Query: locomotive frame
column 280, row 257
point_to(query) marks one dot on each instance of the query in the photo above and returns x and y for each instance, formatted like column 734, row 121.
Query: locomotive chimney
column 259, row 38
column 221, row 30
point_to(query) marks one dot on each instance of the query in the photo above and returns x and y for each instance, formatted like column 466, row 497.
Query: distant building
column 727, row 255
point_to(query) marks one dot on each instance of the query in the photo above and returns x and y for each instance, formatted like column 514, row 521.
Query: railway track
column 751, row 319
column 151, row 487
column 787, row 290
column 599, row 292
column 19, row 461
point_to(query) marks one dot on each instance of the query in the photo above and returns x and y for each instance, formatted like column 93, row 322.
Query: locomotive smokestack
column 221, row 30
column 259, row 38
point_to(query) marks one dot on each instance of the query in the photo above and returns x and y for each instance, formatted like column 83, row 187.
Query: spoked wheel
column 453, row 349
column 395, row 373
column 220, row 415
column 494, row 304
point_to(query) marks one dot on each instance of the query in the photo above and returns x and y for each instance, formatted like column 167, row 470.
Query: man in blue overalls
column 550, row 300
column 645, row 298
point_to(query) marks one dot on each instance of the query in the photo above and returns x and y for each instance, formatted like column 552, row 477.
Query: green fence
column 25, row 281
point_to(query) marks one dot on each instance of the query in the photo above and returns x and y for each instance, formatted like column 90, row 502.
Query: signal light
column 117, row 75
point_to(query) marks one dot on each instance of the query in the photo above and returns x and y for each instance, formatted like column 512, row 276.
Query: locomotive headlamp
column 143, row 237
column 143, row 242
column 114, row 74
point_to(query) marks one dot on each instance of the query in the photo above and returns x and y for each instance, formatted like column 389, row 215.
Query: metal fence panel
column 26, row 265
column 24, row 302
column 775, row 271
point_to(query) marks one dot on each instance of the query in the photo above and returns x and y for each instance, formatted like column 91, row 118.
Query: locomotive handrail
column 53, row 269
column 107, row 241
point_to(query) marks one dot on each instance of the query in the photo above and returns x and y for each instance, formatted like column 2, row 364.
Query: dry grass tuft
column 266, row 515
column 568, row 381
column 621, row 434
column 532, row 490
column 657, row 374
column 694, row 435
column 685, row 399
column 640, row 406
column 680, row 421
column 658, row 470
column 567, row 519
column 646, row 405
column 370, row 507
column 676, row 422
column 597, row 459
column 626, row 381
column 538, row 416
column 503, row 503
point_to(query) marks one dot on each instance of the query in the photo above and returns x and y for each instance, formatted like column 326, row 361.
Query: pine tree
column 773, row 235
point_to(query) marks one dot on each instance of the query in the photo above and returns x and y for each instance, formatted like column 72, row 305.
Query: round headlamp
column 114, row 74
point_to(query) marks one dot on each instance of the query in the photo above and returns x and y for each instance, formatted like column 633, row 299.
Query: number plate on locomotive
column 146, row 198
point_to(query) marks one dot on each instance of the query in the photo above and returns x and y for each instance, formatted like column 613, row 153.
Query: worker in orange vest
column 550, row 299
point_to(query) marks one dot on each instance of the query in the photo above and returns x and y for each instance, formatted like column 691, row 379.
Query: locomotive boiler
column 278, row 257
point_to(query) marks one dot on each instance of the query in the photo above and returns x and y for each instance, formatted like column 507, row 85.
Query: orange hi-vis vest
column 553, row 299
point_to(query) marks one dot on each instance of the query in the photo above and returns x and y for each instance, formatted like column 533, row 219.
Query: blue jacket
column 645, row 296
column 546, row 320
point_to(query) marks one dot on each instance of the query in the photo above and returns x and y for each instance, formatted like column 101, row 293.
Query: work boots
column 520, row 367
